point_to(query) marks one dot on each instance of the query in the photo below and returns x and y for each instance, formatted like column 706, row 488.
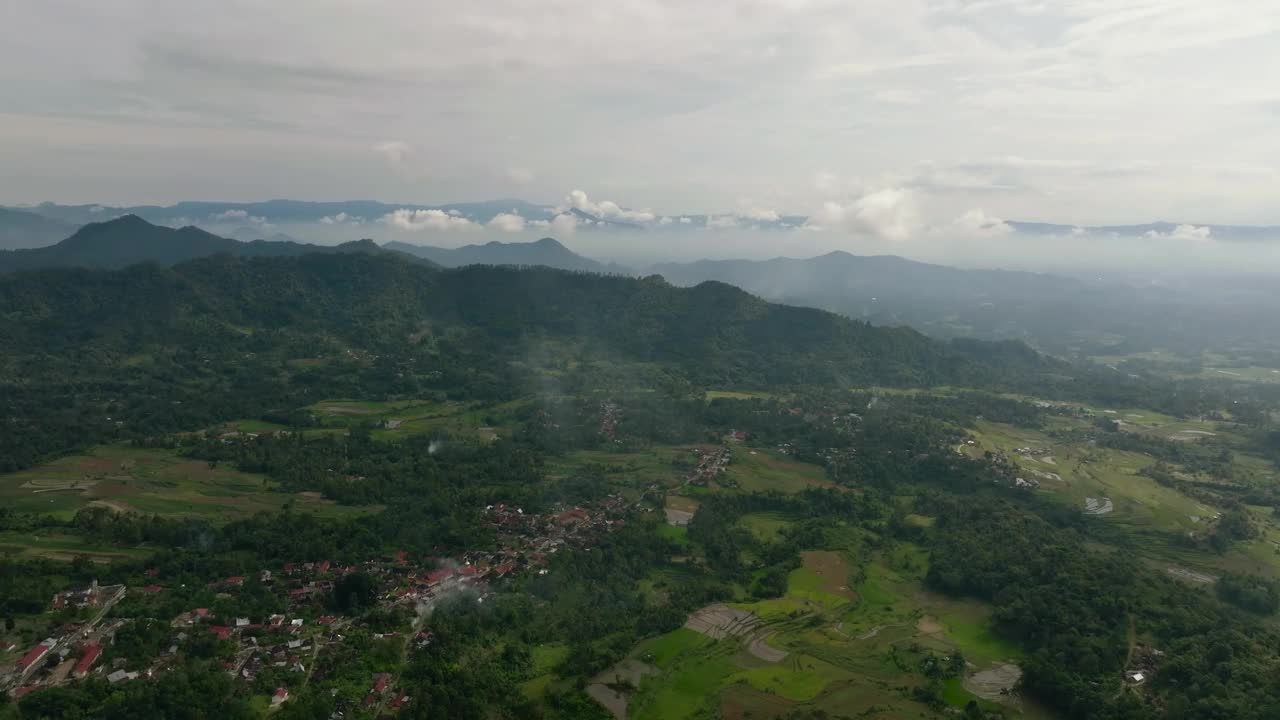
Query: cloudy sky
column 890, row 113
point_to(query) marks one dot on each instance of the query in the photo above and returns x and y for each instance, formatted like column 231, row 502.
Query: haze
column 905, row 127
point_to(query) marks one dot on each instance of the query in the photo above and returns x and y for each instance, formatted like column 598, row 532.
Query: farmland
column 127, row 479
column 849, row 637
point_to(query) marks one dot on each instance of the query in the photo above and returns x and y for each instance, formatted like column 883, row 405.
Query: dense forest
column 573, row 363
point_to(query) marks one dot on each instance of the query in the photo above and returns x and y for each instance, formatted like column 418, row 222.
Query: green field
column 399, row 418
column 850, row 647
column 145, row 480
column 1148, row 517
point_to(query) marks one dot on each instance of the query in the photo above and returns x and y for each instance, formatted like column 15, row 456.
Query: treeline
column 1072, row 609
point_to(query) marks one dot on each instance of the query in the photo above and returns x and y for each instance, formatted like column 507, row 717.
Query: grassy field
column 145, row 480
column 1147, row 518
column 398, row 418
column 757, row 470
column 853, row 631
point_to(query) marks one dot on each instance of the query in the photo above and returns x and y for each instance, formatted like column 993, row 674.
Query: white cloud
column 520, row 176
column 395, row 151
column 1183, row 232
column 607, row 209
column 762, row 215
column 341, row 218
column 978, row 222
column 417, row 220
column 889, row 213
column 721, row 222
column 564, row 224
column 507, row 222
column 238, row 215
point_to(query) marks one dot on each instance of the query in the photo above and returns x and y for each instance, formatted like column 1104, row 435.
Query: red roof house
column 36, row 654
column 90, row 656
column 435, row 577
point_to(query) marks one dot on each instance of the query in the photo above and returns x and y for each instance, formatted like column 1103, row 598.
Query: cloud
column 418, row 220
column 607, row 209
column 395, row 151
column 507, row 222
column 341, row 218
column 1183, row 232
column 237, row 215
column 978, row 222
column 762, row 215
column 889, row 213
column 564, row 224
column 520, row 176
column 721, row 222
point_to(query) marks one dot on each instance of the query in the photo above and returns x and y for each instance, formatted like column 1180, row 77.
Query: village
column 288, row 645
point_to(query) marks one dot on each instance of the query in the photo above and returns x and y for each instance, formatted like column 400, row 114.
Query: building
column 279, row 696
column 29, row 662
column 90, row 656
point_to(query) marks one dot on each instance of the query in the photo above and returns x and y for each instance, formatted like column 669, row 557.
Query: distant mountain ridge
column 547, row 252
column 130, row 240
column 1055, row 313
column 22, row 229
column 283, row 211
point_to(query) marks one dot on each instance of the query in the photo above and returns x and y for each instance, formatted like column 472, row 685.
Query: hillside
column 129, row 240
column 546, row 252
column 226, row 337
column 1058, row 314
column 22, row 229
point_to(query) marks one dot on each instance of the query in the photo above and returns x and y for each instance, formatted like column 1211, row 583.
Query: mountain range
column 1056, row 314
column 22, row 229
column 129, row 240
column 270, row 212
column 547, row 252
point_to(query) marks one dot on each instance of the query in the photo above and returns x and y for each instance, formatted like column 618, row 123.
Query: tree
column 354, row 591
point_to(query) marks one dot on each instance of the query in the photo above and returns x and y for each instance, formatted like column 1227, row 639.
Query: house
column 22, row 691
column 121, row 676
column 234, row 580
column 435, row 577
column 242, row 622
column 201, row 613
column 90, row 656
column 1137, row 677
column 34, row 656
column 151, row 589
column 279, row 696
column 221, row 631
column 380, row 683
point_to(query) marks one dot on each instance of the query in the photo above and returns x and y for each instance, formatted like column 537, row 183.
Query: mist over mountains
column 1055, row 313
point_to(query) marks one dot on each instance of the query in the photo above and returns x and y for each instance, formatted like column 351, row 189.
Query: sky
column 882, row 117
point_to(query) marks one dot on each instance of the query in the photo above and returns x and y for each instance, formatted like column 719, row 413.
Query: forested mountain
column 22, row 229
column 223, row 337
column 547, row 252
column 130, row 240
column 1055, row 313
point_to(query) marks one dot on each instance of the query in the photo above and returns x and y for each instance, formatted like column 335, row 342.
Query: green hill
column 225, row 337
column 130, row 240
